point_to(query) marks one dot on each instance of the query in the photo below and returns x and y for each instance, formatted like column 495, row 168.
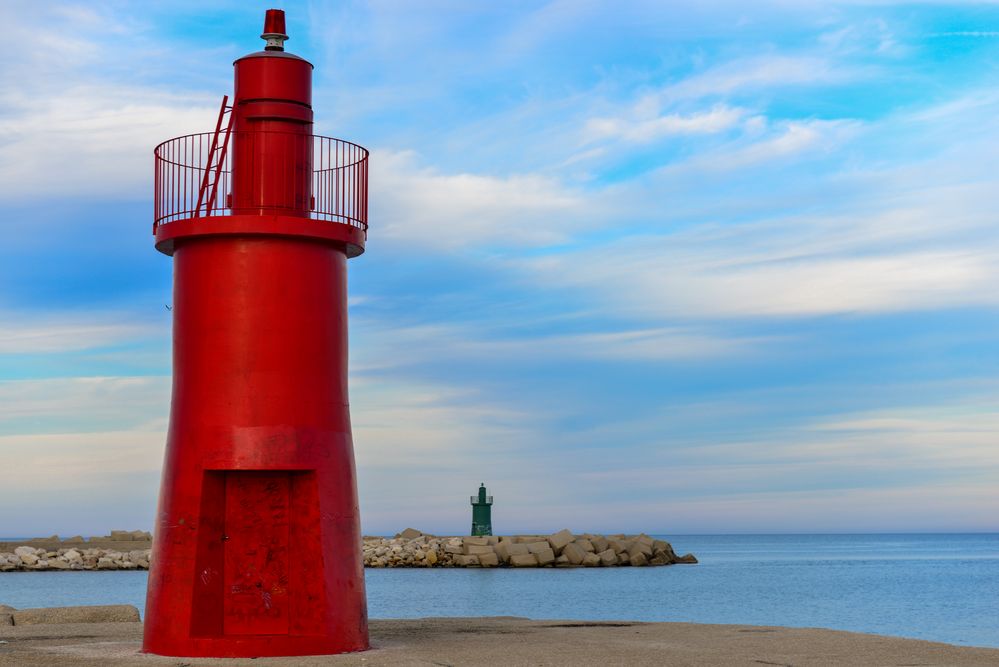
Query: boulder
column 462, row 560
column 664, row 547
column 431, row 558
column 489, row 560
column 115, row 613
column 409, row 534
column 687, row 559
column 76, row 539
column 585, row 545
column 620, row 546
column 29, row 559
column 524, row 560
column 573, row 553
column 608, row 557
column 20, row 551
column 453, row 549
column 591, row 560
column 640, row 548
column 639, row 559
column 599, row 544
column 660, row 559
column 560, row 539
column 58, row 564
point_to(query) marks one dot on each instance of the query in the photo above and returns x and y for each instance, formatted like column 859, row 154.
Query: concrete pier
column 513, row 641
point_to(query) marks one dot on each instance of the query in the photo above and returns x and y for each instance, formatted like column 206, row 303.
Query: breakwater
column 131, row 550
column 411, row 548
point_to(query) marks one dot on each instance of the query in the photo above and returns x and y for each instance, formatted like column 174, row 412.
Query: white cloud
column 76, row 119
column 58, row 405
column 22, row 333
column 759, row 73
column 92, row 140
column 419, row 205
column 642, row 130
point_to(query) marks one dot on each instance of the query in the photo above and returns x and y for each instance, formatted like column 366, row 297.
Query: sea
column 939, row 587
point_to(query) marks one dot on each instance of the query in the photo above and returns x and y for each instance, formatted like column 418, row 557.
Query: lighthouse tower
column 257, row 544
column 482, row 509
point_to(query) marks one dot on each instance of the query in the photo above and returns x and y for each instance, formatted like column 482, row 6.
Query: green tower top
column 482, row 521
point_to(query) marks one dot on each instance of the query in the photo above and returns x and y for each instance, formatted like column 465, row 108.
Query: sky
column 712, row 267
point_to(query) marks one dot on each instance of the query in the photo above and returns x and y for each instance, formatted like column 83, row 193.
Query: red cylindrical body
column 257, row 544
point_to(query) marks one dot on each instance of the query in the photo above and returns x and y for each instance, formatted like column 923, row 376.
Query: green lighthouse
column 482, row 513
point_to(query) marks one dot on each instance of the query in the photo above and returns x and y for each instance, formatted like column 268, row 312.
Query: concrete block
column 477, row 541
column 488, row 560
column 462, row 560
column 560, row 539
column 545, row 557
column 639, row 560
column 114, row 613
column 573, row 553
column 524, row 560
column 505, row 550
column 474, row 549
column 591, row 560
column 599, row 544
column 537, row 547
column 644, row 539
column 585, row 544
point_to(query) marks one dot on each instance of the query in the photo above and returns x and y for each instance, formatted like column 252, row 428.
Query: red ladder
column 208, row 191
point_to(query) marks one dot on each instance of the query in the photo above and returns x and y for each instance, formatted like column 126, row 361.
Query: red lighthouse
column 257, row 546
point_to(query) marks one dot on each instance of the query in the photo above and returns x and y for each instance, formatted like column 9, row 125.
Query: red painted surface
column 257, row 544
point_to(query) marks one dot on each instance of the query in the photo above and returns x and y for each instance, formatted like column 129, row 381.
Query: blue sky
column 673, row 267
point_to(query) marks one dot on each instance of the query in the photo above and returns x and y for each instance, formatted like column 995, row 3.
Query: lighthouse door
column 257, row 532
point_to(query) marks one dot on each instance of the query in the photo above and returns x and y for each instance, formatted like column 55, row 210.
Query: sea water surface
column 937, row 587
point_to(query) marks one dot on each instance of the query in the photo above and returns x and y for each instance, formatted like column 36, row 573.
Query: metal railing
column 273, row 172
column 475, row 500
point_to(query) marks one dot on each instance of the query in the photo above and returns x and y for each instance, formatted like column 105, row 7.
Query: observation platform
column 202, row 189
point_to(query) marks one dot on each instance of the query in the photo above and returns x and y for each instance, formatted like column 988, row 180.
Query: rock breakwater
column 411, row 548
column 39, row 558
